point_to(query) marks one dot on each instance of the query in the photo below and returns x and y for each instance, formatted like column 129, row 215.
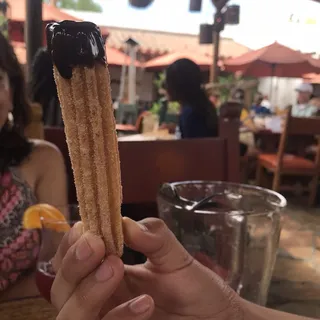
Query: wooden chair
column 229, row 128
column 145, row 165
column 282, row 164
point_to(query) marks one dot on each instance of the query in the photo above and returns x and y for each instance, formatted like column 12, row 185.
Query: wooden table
column 152, row 136
column 126, row 128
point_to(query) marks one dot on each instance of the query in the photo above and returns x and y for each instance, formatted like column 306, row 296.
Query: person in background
column 215, row 99
column 237, row 98
column 198, row 119
column 257, row 109
column 30, row 172
column 170, row 285
column 316, row 103
column 266, row 103
column 43, row 89
column 303, row 107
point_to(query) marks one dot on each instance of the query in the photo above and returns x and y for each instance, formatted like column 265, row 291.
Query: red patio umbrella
column 17, row 12
column 17, row 17
column 165, row 60
column 275, row 60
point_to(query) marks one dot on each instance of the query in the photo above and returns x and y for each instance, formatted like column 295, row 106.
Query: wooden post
column 216, row 48
column 33, row 30
column 132, row 49
column 218, row 27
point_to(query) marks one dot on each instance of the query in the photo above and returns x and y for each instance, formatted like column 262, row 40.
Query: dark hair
column 238, row 95
column 43, row 87
column 184, row 84
column 183, row 81
column 14, row 147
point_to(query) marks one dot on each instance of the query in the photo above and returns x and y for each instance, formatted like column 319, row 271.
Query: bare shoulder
column 46, row 151
column 44, row 147
column 45, row 159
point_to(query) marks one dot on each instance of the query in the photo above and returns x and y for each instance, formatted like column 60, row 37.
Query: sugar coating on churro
column 83, row 84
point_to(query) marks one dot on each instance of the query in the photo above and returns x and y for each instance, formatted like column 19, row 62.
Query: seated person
column 198, row 119
column 258, row 109
column 30, row 172
column 304, row 107
column 215, row 99
column 247, row 120
column 266, row 103
column 316, row 103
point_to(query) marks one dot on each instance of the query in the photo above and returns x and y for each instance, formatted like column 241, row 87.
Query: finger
column 81, row 259
column 153, row 238
column 140, row 308
column 67, row 241
column 91, row 294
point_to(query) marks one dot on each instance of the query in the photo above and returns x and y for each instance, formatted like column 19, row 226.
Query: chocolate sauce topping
column 74, row 44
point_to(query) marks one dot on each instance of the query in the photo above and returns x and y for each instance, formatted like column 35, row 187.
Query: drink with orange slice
column 52, row 225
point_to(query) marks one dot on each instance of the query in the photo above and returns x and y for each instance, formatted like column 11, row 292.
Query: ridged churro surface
column 91, row 136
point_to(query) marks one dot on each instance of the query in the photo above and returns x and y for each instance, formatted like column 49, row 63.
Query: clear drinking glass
column 232, row 229
column 52, row 233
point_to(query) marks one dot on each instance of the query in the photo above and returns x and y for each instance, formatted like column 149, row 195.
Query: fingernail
column 140, row 305
column 75, row 233
column 83, row 249
column 104, row 272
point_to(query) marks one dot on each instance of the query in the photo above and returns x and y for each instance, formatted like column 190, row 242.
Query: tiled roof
column 118, row 58
column 17, row 12
column 165, row 60
column 158, row 42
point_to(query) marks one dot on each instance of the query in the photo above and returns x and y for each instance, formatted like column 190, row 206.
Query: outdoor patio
column 295, row 286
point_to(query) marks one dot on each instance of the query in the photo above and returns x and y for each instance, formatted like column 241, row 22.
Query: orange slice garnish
column 51, row 217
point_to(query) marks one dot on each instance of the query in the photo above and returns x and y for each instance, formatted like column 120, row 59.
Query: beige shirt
column 303, row 110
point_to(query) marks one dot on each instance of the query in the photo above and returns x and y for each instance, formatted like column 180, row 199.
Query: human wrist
column 236, row 310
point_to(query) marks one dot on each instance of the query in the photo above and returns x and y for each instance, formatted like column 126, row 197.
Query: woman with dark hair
column 43, row 89
column 198, row 118
column 30, row 172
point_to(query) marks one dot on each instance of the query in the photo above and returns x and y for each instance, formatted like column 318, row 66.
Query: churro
column 83, row 85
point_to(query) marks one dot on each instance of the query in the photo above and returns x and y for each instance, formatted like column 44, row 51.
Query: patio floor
column 295, row 287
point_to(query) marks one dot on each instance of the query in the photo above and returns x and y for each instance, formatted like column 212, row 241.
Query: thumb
column 153, row 238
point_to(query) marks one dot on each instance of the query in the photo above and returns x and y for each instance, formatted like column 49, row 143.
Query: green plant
column 225, row 90
column 160, row 80
column 173, row 107
column 156, row 107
